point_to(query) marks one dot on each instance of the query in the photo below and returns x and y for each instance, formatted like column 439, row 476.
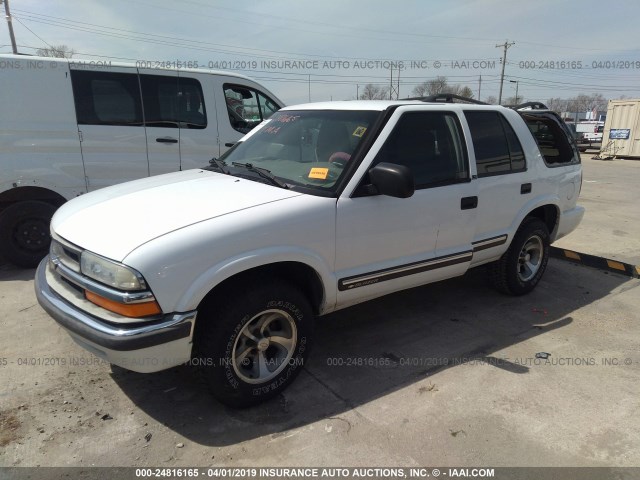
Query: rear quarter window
column 553, row 140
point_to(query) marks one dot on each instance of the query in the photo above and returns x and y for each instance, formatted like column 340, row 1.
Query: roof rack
column 447, row 98
column 530, row 106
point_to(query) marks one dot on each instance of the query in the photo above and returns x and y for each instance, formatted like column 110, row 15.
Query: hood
column 114, row 221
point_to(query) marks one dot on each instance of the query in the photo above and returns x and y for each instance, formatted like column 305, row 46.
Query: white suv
column 320, row 207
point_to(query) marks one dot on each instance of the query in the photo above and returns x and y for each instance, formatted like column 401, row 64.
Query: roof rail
column 530, row 106
column 447, row 98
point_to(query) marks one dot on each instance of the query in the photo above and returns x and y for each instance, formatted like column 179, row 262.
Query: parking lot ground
column 447, row 374
column 611, row 225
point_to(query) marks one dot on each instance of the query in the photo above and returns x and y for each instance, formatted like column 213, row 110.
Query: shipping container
column 621, row 136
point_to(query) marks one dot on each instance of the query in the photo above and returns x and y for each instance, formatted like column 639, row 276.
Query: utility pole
column 479, row 87
column 517, row 83
column 393, row 90
column 309, row 87
column 506, row 46
column 357, row 92
column 10, row 24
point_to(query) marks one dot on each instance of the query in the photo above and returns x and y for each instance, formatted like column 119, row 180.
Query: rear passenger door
column 502, row 185
column 160, row 102
column 110, row 124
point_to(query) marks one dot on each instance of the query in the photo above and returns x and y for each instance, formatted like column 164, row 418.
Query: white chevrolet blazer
column 68, row 127
column 320, row 207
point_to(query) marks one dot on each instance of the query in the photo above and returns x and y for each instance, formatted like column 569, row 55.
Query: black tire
column 263, row 310
column 516, row 273
column 24, row 232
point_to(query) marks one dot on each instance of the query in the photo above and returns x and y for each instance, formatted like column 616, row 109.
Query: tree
column 558, row 105
column 56, row 51
column 465, row 92
column 491, row 100
column 431, row 87
column 513, row 100
column 585, row 103
column 374, row 92
column 440, row 85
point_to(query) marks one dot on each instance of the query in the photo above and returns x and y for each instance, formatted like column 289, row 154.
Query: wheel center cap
column 527, row 257
column 263, row 344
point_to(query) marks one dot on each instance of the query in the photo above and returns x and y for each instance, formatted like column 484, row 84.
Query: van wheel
column 251, row 347
column 24, row 232
column 521, row 267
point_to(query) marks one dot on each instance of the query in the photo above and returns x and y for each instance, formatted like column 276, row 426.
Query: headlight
column 110, row 273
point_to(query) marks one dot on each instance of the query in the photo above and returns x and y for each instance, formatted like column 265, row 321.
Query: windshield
column 307, row 148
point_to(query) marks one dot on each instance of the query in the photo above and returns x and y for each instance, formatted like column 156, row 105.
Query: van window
column 247, row 107
column 105, row 98
column 430, row 145
column 172, row 102
column 497, row 148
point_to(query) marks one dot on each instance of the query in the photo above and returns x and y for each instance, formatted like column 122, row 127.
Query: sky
column 328, row 50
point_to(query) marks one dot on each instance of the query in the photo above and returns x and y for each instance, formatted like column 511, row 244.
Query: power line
column 34, row 33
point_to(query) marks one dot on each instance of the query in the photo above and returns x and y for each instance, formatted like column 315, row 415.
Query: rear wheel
column 24, row 232
column 252, row 346
column 521, row 267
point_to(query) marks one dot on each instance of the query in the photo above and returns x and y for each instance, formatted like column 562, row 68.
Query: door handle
column 229, row 144
column 525, row 188
column 468, row 203
column 167, row 140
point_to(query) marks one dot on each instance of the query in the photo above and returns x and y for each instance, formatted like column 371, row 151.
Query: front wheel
column 24, row 232
column 251, row 346
column 521, row 267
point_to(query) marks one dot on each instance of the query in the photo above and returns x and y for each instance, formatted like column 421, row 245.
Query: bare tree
column 374, row 92
column 557, row 104
column 586, row 103
column 431, row 87
column 57, row 51
column 440, row 85
column 465, row 92
column 491, row 100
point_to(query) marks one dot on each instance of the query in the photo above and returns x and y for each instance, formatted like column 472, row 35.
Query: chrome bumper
column 111, row 337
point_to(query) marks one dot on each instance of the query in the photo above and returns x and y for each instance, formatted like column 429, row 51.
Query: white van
column 68, row 127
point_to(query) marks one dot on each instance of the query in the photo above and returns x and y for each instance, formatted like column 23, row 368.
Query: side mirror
column 392, row 180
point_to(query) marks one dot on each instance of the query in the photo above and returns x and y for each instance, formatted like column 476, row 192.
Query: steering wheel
column 339, row 159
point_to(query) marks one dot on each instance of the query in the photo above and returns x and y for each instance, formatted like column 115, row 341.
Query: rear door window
column 173, row 102
column 106, row 98
column 497, row 148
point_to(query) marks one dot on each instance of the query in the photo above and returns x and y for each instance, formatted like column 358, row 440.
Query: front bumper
column 141, row 347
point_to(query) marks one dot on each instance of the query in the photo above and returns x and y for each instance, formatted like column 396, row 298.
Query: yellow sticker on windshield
column 358, row 132
column 319, row 173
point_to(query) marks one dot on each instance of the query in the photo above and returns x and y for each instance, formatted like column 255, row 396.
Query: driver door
column 385, row 244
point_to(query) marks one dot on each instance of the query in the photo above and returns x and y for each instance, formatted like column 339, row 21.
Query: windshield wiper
column 263, row 172
column 220, row 165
